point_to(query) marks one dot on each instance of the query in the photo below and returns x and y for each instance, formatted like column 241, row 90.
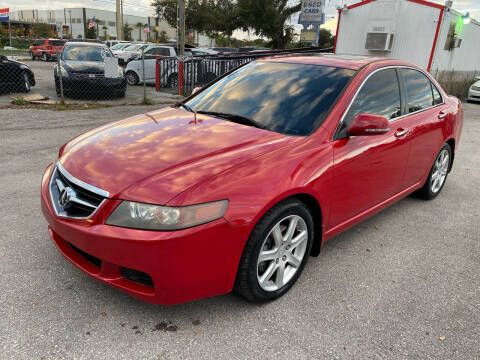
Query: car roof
column 343, row 61
column 84, row 43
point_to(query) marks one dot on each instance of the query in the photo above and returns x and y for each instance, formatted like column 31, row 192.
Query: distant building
column 74, row 22
column 428, row 34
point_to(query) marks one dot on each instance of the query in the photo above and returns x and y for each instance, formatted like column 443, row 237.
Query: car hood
column 153, row 157
column 83, row 66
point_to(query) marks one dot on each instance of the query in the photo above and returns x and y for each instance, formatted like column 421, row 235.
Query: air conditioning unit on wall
column 379, row 41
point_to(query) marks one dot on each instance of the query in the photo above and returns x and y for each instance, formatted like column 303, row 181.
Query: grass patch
column 147, row 101
column 19, row 101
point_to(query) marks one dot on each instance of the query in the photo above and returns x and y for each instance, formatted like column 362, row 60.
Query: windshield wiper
column 234, row 118
column 188, row 108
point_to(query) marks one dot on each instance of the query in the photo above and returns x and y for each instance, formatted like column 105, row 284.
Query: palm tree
column 105, row 31
column 140, row 28
column 97, row 21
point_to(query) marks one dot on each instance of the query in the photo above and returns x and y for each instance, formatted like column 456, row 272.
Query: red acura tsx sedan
column 235, row 187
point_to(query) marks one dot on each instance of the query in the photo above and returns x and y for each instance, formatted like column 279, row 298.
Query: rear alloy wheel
column 132, row 78
column 44, row 56
column 276, row 253
column 438, row 174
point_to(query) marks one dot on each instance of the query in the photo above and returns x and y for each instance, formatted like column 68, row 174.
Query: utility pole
column 181, row 27
column 119, row 21
column 71, row 30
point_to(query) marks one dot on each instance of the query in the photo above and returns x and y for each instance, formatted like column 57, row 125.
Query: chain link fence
column 88, row 72
column 82, row 73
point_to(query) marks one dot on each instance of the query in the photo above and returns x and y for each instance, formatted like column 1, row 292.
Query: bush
column 455, row 83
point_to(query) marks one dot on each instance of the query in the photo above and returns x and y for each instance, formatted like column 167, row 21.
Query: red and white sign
column 4, row 13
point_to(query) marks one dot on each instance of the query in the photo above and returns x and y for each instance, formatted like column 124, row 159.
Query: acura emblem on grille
column 66, row 196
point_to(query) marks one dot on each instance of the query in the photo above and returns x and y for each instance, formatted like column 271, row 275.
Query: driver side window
column 380, row 95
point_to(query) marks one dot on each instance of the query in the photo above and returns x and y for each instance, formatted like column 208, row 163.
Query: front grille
column 137, row 276
column 94, row 260
column 89, row 75
column 72, row 198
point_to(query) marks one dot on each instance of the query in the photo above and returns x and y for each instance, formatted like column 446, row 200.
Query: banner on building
column 4, row 14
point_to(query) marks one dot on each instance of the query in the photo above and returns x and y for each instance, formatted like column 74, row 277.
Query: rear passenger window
column 39, row 43
column 380, row 95
column 437, row 98
column 419, row 90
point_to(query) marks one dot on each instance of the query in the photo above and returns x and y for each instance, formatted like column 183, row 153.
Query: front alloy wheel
column 276, row 252
column 282, row 253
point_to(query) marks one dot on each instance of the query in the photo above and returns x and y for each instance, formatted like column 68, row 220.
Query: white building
column 428, row 34
column 77, row 20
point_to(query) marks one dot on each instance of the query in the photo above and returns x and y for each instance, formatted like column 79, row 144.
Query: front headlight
column 153, row 217
column 63, row 71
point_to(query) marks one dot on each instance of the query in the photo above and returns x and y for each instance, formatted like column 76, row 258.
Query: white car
column 112, row 43
column 130, row 52
column 474, row 91
column 134, row 71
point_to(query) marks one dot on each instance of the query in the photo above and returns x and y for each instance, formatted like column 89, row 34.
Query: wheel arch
column 451, row 142
column 315, row 209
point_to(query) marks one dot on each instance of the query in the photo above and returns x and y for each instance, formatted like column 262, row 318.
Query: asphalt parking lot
column 45, row 86
column 404, row 284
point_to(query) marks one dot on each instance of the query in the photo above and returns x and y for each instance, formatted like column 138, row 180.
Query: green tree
column 42, row 30
column 139, row 26
column 325, row 38
column 268, row 18
column 208, row 16
column 127, row 32
column 163, row 37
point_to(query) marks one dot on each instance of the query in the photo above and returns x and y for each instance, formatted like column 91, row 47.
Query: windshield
column 84, row 53
column 56, row 42
column 118, row 46
column 133, row 47
column 287, row 98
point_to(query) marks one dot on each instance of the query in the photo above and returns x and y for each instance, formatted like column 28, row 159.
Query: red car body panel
column 171, row 157
column 47, row 47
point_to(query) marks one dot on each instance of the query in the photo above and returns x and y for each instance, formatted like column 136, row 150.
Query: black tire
column 427, row 192
column 45, row 56
column 25, row 85
column 247, row 284
column 33, row 57
column 132, row 78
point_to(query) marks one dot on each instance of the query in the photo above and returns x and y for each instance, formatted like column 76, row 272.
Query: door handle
column 442, row 115
column 401, row 132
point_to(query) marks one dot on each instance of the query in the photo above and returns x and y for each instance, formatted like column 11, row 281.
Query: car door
column 370, row 169
column 425, row 113
column 150, row 58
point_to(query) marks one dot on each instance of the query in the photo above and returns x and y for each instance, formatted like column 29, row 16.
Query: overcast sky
column 142, row 7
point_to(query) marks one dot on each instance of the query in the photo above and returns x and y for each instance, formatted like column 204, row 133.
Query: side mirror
column 197, row 89
column 368, row 124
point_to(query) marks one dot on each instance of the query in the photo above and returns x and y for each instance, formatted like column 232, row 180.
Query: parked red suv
column 46, row 49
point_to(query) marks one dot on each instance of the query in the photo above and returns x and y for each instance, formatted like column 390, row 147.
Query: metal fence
column 186, row 73
column 88, row 77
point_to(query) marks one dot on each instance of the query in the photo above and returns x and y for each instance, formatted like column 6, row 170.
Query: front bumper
column 474, row 95
column 103, row 85
column 183, row 265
